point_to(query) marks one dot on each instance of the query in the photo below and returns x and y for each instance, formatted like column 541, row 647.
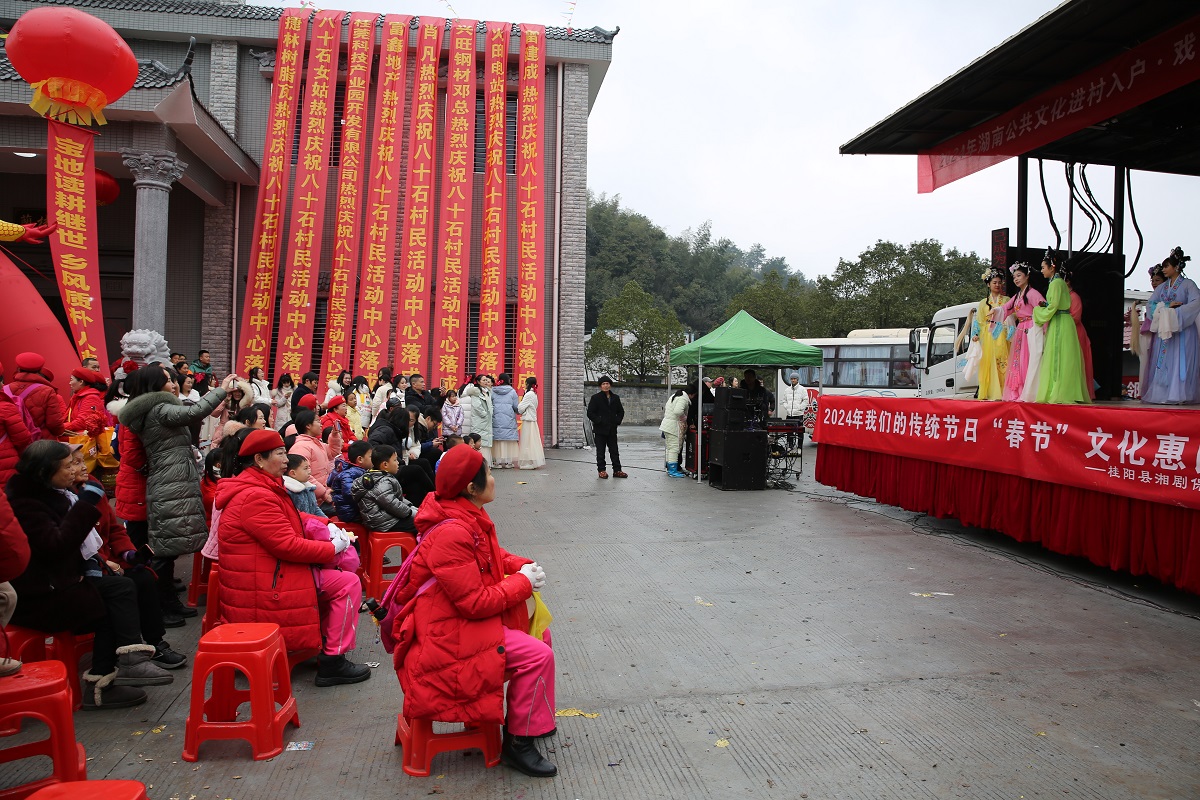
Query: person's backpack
column 35, row 430
column 389, row 610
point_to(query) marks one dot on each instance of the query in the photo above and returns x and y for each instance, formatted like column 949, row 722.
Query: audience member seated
column 380, row 497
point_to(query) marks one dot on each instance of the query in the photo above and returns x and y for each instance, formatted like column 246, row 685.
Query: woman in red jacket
column 14, row 558
column 464, row 625
column 86, row 412
column 14, row 435
column 266, row 564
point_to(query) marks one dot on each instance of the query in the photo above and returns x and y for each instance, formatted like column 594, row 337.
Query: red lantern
column 107, row 188
column 76, row 64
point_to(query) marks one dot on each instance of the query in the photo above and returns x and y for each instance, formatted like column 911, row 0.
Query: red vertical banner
column 416, row 243
column 339, row 323
column 379, row 244
column 531, row 262
column 493, row 286
column 258, row 311
column 305, row 232
column 71, row 202
column 454, row 242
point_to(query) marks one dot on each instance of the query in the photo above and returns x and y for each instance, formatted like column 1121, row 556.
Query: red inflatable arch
column 28, row 324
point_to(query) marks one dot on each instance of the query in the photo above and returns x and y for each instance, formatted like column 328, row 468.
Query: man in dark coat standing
column 606, row 413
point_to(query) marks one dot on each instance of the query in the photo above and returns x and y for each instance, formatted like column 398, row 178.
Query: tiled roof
column 151, row 74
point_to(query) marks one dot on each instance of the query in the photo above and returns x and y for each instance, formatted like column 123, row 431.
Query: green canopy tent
column 742, row 341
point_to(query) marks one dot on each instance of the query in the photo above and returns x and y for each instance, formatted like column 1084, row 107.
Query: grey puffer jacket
column 174, row 508
column 381, row 502
column 481, row 414
column 504, row 413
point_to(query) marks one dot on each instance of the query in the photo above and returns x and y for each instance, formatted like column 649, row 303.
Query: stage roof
column 1162, row 135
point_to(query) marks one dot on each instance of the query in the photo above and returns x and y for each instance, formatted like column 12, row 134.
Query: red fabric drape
column 1119, row 533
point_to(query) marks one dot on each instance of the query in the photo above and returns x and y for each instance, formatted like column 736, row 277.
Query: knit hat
column 331, row 403
column 456, row 469
column 604, row 379
column 30, row 362
column 87, row 375
column 309, row 401
column 263, row 441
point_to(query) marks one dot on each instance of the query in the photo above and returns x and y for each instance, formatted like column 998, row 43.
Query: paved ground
column 769, row 644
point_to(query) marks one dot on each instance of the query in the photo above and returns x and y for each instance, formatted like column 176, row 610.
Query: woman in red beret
column 465, row 627
column 86, row 414
column 266, row 571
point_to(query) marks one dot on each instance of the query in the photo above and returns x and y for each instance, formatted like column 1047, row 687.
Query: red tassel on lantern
column 76, row 63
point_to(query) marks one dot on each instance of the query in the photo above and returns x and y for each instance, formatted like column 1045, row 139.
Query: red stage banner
column 71, row 202
column 454, row 242
column 307, row 227
column 338, row 322
column 379, row 245
column 416, row 253
column 493, row 290
column 1150, row 70
column 1148, row 454
column 258, row 310
column 531, row 238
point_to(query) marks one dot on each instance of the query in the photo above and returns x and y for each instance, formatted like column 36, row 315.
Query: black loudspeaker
column 738, row 460
column 730, row 398
column 729, row 419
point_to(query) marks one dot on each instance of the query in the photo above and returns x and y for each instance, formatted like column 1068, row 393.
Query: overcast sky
column 692, row 124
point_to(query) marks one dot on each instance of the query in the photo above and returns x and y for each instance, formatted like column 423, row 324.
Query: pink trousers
column 338, row 597
column 529, row 667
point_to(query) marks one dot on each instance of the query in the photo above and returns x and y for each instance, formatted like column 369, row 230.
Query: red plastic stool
column 92, row 790
column 31, row 646
column 421, row 744
column 364, row 547
column 212, row 606
column 201, row 567
column 256, row 650
column 40, row 691
column 377, row 575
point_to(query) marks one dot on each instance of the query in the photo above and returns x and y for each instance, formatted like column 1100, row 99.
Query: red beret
column 331, row 403
column 456, row 469
column 309, row 401
column 263, row 441
column 30, row 362
column 87, row 375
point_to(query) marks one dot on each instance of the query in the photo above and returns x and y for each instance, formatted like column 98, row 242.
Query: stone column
column 573, row 264
column 154, row 173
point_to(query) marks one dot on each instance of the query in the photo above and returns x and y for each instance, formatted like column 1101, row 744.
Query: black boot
column 520, row 753
column 337, row 670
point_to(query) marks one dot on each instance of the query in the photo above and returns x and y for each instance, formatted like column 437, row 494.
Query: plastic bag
column 974, row 357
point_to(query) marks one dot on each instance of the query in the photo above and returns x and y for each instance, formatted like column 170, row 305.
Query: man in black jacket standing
column 606, row 413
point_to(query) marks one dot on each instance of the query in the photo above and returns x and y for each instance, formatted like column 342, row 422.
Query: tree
column 774, row 302
column 634, row 334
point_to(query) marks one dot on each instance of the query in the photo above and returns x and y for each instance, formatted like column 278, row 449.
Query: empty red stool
column 377, row 575
column 364, row 547
column 92, row 790
column 198, row 586
column 40, row 691
column 30, row 645
column 212, row 606
column 420, row 744
column 257, row 651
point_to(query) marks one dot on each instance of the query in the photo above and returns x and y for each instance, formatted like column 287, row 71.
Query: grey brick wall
column 218, row 282
column 573, row 280
column 223, row 84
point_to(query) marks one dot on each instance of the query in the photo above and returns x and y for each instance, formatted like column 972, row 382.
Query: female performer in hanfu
column 1021, row 354
column 1085, row 341
column 1061, row 379
column 1173, row 309
column 992, row 338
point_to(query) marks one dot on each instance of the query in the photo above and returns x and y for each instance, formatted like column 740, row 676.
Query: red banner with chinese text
column 1144, row 453
column 71, row 202
column 1150, row 70
column 338, row 323
column 307, row 226
column 379, row 244
column 493, row 290
column 258, row 311
column 531, row 92
column 416, row 243
column 454, row 242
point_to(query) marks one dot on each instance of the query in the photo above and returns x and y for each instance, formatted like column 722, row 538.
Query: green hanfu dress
column 1062, row 375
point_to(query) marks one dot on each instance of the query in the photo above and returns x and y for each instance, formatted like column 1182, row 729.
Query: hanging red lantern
column 76, row 63
column 107, row 188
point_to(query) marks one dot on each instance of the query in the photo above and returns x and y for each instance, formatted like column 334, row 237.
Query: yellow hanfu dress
column 993, row 341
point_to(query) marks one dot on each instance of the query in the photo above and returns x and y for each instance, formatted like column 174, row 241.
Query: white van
column 939, row 353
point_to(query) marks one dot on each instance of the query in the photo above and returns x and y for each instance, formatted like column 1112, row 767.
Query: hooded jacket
column 481, row 413
column 384, row 432
column 48, row 410
column 320, row 458
column 381, row 502
column 131, row 476
column 504, row 413
column 87, row 413
column 223, row 413
column 266, row 562
column 174, row 507
column 304, row 496
column 454, row 669
column 14, row 437
column 340, row 483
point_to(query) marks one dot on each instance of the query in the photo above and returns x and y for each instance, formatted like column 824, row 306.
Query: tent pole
column 699, row 412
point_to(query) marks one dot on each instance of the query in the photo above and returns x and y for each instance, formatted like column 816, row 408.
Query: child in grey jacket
column 379, row 495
